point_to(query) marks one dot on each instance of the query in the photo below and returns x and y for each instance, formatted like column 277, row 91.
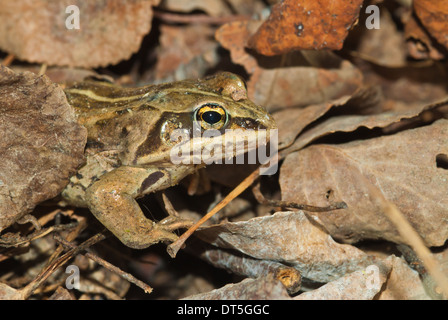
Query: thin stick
column 414, row 240
column 8, row 60
column 127, row 276
column 411, row 237
column 197, row 18
column 176, row 246
column 43, row 69
column 288, row 204
column 48, row 270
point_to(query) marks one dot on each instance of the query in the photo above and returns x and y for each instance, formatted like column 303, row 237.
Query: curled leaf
column 404, row 167
column 42, row 144
column 306, row 25
column 109, row 31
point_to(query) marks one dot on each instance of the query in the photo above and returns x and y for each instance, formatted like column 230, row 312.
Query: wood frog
column 128, row 151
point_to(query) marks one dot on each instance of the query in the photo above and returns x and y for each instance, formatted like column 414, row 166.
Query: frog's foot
column 162, row 231
column 145, row 236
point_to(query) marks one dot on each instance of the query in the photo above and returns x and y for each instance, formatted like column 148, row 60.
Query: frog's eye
column 211, row 116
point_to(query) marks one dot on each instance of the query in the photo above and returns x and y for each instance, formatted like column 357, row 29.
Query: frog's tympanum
column 128, row 151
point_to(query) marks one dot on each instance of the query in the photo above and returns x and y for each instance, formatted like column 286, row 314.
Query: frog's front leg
column 112, row 200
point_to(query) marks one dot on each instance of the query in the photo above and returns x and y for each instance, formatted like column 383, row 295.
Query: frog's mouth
column 223, row 148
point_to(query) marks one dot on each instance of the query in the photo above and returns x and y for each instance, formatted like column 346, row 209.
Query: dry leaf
column 301, row 85
column 306, row 25
column 8, row 293
column 358, row 285
column 262, row 288
column 234, row 36
column 61, row 294
column 291, row 239
column 434, row 23
column 403, row 283
column 42, row 144
column 408, row 87
column 403, row 166
column 349, row 123
column 291, row 122
column 384, row 46
column 110, row 31
column 185, row 52
column 420, row 44
column 300, row 79
column 247, row 7
column 212, row 7
column 246, row 266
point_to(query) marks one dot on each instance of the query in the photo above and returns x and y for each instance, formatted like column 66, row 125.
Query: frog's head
column 201, row 116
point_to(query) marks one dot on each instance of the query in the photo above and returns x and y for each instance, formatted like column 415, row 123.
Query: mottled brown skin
column 128, row 148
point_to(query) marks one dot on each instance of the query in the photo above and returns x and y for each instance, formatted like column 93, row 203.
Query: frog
column 129, row 145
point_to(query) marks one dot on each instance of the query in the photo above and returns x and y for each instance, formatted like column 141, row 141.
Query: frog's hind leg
column 112, row 200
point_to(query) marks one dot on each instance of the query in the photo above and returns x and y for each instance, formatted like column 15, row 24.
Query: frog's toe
column 147, row 239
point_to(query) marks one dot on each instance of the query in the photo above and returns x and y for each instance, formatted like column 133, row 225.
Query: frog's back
column 115, row 117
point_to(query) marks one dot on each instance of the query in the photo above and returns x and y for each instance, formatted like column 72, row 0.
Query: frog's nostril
column 261, row 126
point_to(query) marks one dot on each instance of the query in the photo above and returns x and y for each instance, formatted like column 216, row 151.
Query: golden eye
column 211, row 116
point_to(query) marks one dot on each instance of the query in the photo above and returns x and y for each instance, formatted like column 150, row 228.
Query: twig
column 4, row 242
column 415, row 263
column 25, row 292
column 43, row 69
column 168, row 205
column 82, row 223
column 176, row 246
column 127, row 276
column 288, row 204
column 8, row 60
column 411, row 237
column 197, row 18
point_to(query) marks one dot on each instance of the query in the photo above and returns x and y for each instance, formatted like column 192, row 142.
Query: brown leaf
column 41, row 145
column 61, row 294
column 9, row 293
column 353, row 286
column 301, row 79
column 262, row 288
column 405, row 167
column 403, row 283
column 291, row 122
column 246, row 266
column 299, row 85
column 306, row 25
column 61, row 75
column 185, row 52
column 384, row 46
column 351, row 122
column 291, row 239
column 434, row 15
column 233, row 36
column 212, row 7
column 420, row 44
column 110, row 31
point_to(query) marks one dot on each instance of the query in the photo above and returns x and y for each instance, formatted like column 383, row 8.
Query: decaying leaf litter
column 361, row 116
